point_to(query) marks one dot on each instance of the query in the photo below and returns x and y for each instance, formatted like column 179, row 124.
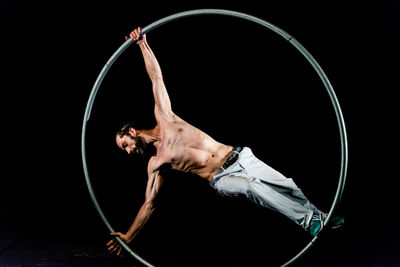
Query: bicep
column 153, row 186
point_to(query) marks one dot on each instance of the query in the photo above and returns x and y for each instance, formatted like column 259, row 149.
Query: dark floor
column 330, row 250
column 56, row 255
column 34, row 251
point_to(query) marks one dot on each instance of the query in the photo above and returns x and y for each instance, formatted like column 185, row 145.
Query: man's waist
column 233, row 157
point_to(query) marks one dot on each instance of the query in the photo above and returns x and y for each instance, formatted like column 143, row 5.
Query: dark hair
column 124, row 128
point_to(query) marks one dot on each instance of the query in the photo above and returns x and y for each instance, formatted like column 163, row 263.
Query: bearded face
column 131, row 144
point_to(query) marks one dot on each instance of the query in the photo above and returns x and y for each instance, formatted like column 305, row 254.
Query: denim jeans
column 265, row 186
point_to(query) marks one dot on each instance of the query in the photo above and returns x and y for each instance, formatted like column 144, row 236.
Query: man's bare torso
column 185, row 148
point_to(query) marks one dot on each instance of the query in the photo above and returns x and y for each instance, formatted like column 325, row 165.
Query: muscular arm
column 153, row 186
column 161, row 98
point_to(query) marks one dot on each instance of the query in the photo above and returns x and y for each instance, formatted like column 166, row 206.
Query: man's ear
column 132, row 132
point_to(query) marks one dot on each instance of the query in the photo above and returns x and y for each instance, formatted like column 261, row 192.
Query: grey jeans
column 263, row 185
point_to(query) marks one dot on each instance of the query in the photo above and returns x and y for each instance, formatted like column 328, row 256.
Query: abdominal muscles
column 191, row 150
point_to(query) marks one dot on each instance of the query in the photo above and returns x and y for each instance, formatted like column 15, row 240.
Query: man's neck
column 149, row 136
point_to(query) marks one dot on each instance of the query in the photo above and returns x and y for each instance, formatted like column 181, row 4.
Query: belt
column 230, row 160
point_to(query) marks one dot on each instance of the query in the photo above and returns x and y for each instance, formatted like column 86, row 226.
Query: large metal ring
column 285, row 35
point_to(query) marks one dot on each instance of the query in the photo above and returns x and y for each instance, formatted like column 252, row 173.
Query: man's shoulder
column 156, row 163
column 152, row 164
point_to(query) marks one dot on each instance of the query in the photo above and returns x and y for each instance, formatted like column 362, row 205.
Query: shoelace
column 320, row 216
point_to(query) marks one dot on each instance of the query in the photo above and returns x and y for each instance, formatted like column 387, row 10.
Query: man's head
column 127, row 139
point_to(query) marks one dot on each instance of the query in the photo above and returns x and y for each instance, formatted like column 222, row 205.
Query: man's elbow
column 156, row 78
column 149, row 206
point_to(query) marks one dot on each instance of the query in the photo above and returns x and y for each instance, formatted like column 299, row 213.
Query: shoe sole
column 338, row 225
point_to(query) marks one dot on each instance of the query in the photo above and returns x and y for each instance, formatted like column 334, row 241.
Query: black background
column 237, row 81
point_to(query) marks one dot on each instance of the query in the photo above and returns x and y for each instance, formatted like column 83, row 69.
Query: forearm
column 140, row 221
column 151, row 63
column 160, row 93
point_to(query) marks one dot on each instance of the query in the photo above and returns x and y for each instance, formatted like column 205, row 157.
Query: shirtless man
column 230, row 170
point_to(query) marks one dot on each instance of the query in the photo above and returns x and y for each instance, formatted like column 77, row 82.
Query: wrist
column 128, row 238
column 140, row 43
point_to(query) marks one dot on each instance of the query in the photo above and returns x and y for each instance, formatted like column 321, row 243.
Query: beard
column 143, row 149
column 139, row 146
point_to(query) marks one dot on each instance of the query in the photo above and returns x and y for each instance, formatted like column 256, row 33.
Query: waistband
column 228, row 162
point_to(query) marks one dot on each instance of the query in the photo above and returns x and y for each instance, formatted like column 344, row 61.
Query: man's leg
column 269, row 188
column 272, row 189
column 287, row 201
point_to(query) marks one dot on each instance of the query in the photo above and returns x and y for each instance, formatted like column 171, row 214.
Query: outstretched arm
column 153, row 186
column 160, row 93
